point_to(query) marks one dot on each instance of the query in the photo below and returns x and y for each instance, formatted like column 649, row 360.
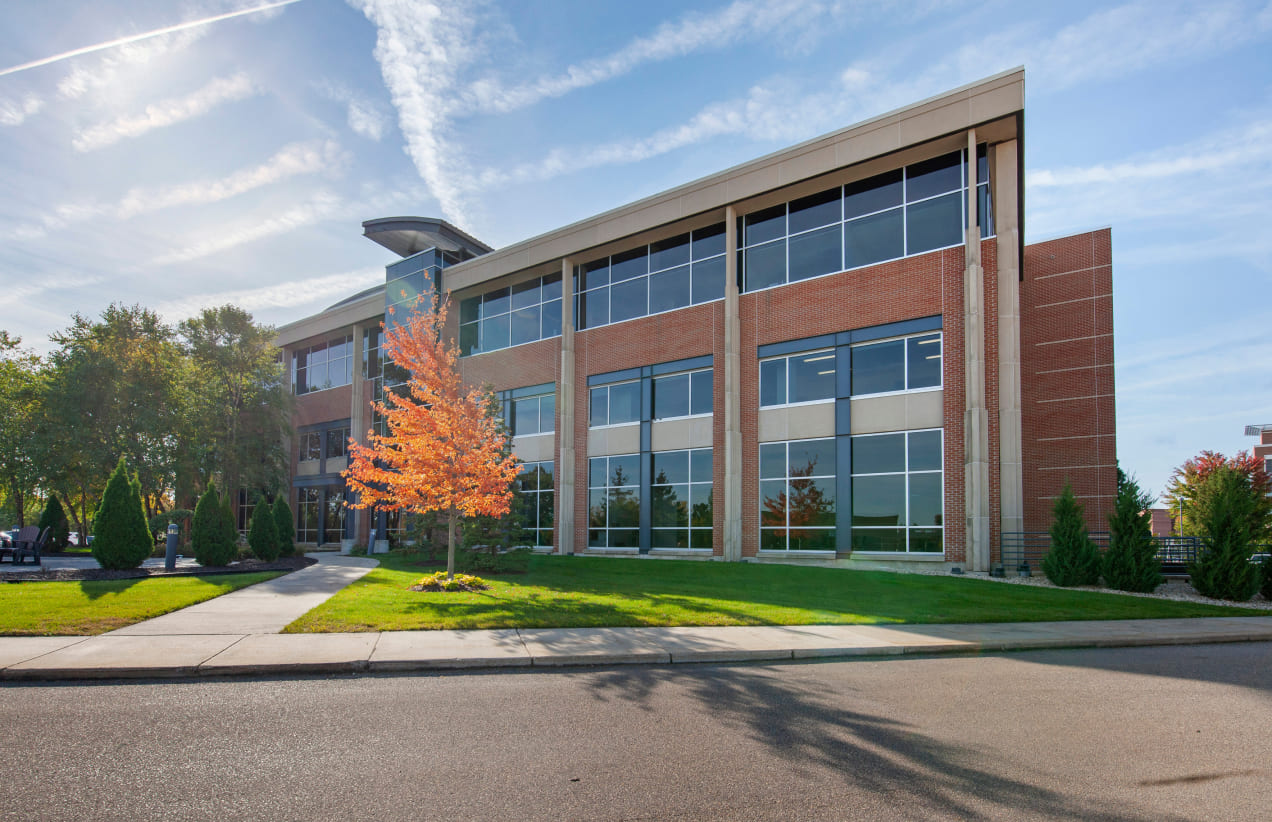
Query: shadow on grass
column 805, row 722
column 97, row 588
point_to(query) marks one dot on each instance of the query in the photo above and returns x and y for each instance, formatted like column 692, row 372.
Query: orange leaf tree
column 442, row 451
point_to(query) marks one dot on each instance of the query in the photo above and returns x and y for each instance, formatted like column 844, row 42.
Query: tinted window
column 671, row 467
column 924, row 355
column 878, row 367
column 879, row 500
column 701, row 395
column 671, row 396
column 600, row 408
column 595, row 273
column 874, row 239
column 761, row 226
column 551, row 318
column 624, row 402
column 595, row 307
column 629, row 299
column 634, row 263
column 668, row 253
column 525, row 325
column 707, row 242
column 934, row 223
column 708, row 280
column 935, row 176
column 878, row 455
column 815, row 211
column 495, row 332
column 494, row 302
column 773, row 382
column 525, row 294
column 811, row 458
column 669, row 289
column 872, row 194
column 525, row 416
column 925, row 451
column 766, row 265
column 816, row 253
column 812, row 376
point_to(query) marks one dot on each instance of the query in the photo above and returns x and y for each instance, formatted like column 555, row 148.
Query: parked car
column 1260, row 558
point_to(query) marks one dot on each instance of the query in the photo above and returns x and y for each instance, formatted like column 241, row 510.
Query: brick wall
column 1066, row 351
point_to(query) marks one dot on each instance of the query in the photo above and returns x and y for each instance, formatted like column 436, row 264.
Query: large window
column 680, row 499
column 533, row 415
column 897, row 492
column 310, row 447
column 613, row 489
column 322, row 366
column 805, row 377
column 687, row 269
column 905, row 364
column 308, row 502
column 524, row 313
column 899, row 213
column 682, row 395
column 371, row 338
column 615, row 404
column 535, row 482
column 797, row 495
column 333, row 517
column 337, row 442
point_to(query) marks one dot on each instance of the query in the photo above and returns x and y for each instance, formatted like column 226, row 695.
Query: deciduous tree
column 1183, row 491
column 441, row 451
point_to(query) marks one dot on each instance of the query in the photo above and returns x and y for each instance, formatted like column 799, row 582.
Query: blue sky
column 234, row 157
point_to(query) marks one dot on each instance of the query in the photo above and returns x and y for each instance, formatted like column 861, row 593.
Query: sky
column 181, row 154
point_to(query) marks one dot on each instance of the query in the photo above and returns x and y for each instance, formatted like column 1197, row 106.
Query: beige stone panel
column 808, row 164
column 675, row 435
column 899, row 412
column 309, row 468
column 868, row 144
column 797, row 422
column 534, row 448
column 620, row 439
column 938, row 120
column 337, row 464
column 993, row 103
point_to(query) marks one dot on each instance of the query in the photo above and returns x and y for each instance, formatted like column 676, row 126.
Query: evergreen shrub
column 285, row 524
column 54, row 517
column 1131, row 562
column 263, row 534
column 119, row 528
column 1223, row 569
column 1073, row 559
column 207, row 531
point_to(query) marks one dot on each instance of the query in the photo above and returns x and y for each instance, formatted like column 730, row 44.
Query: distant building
column 1264, row 449
column 1162, row 523
column 838, row 353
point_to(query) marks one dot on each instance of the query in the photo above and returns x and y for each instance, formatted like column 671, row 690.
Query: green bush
column 55, row 518
column 1223, row 569
column 207, row 531
column 285, row 524
column 229, row 525
column 1073, row 558
column 119, row 529
column 181, row 516
column 262, row 537
column 1266, row 586
column 1131, row 562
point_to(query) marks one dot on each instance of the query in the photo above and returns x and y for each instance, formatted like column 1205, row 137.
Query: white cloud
column 321, row 207
column 167, row 112
column 15, row 112
column 364, row 116
column 290, row 161
column 19, row 294
column 696, row 31
column 81, row 79
column 290, row 294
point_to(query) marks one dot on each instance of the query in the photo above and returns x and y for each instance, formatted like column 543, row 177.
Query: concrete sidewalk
column 124, row 654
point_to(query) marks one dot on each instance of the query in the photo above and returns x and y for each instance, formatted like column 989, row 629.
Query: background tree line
column 186, row 405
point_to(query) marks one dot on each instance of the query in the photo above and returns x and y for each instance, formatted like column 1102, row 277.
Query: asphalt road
column 1152, row 733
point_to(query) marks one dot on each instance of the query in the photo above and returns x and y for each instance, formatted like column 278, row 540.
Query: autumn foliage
column 441, row 451
column 1187, row 482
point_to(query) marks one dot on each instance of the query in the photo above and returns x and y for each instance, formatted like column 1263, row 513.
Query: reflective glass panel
column 927, row 540
column 772, row 460
column 525, row 325
column 812, row 376
column 878, row 500
column 815, row 211
column 816, row 253
column 494, row 302
column 525, row 416
column 707, row 242
column 469, row 309
column 524, row 294
column 551, row 319
column 765, row 225
column 468, row 335
column 629, row 299
column 624, row 508
column 700, row 506
column 597, row 471
column 552, row 287
column 934, row 223
column 671, row 397
column 495, row 332
column 873, row 239
column 925, row 499
column 935, row 176
column 766, row 265
column 811, row 502
column 634, row 263
column 595, row 273
column 924, row 361
column 668, row 253
column 772, row 502
column 700, row 465
column 708, row 280
column 879, row 454
column 925, row 450
column 701, row 393
column 811, row 458
column 669, row 289
column 872, row 194
column 595, row 309
column 773, row 382
column 624, row 402
column 671, row 467
column 812, row 539
column 547, row 418
column 600, row 407
column 878, row 367
column 878, row 539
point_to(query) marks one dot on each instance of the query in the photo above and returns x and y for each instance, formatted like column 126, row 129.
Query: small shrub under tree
column 207, row 531
column 262, row 537
column 54, row 517
column 119, row 543
column 1073, row 559
column 285, row 524
column 1223, row 569
column 1131, row 562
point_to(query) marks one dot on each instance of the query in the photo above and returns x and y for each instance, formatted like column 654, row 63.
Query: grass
column 575, row 592
column 40, row 608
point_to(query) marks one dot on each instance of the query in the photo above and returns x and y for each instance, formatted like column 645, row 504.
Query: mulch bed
column 247, row 566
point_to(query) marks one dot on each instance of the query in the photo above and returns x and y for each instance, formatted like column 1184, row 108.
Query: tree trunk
column 450, row 544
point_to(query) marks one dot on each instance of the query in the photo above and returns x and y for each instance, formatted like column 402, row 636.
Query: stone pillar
column 565, row 418
column 732, row 394
column 1003, row 177
column 357, row 419
column 976, row 416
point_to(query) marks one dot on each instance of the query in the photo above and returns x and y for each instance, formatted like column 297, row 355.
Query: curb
column 363, row 666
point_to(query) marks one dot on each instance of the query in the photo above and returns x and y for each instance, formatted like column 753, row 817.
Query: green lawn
column 39, row 608
column 561, row 592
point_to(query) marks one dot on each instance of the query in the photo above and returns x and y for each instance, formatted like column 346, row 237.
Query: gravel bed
column 246, row 566
column 1176, row 589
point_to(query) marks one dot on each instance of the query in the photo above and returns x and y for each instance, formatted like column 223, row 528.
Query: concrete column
column 1003, row 177
column 976, row 416
column 565, row 417
column 732, row 394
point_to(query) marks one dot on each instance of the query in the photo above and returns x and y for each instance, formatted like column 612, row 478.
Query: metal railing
column 1023, row 551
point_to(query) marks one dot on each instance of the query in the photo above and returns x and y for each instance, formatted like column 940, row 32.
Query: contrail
column 134, row 38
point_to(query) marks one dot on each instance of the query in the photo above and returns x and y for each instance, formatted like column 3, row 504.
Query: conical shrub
column 1073, row 558
column 207, row 531
column 262, row 537
column 118, row 544
column 1131, row 562
column 285, row 522
column 55, row 517
column 1223, row 569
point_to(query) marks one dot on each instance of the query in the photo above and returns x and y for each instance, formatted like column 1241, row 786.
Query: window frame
column 653, row 414
column 634, row 485
column 940, row 386
column 691, row 482
column 786, row 479
column 509, row 312
column 785, row 358
column 609, row 406
column 906, row 473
